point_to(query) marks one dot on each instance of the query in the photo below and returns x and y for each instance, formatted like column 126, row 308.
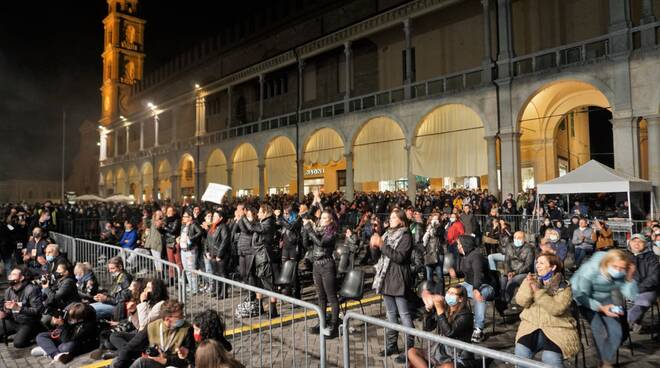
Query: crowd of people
column 448, row 254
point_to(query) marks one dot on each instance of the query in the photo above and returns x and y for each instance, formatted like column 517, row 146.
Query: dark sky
column 50, row 61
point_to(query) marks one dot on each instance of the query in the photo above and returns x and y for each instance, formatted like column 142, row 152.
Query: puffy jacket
column 244, row 237
column 128, row 239
column 591, row 288
column 519, row 260
column 62, row 294
column 398, row 281
column 32, row 305
column 647, row 271
column 550, row 314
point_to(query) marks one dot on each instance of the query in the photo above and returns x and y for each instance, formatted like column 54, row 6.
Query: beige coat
column 551, row 314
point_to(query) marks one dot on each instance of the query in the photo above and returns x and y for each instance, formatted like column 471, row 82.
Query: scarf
column 556, row 283
column 391, row 239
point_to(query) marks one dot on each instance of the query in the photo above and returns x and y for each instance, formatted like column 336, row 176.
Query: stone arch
column 558, row 105
column 445, row 132
column 245, row 174
column 164, row 184
column 134, row 183
column 216, row 168
column 186, row 175
column 121, row 187
column 379, row 152
column 147, row 173
column 109, row 183
column 323, row 160
column 280, row 163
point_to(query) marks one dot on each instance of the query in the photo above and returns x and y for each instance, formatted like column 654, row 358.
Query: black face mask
column 14, row 282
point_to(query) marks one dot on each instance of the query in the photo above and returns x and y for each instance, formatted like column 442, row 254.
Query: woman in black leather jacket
column 321, row 240
column 450, row 316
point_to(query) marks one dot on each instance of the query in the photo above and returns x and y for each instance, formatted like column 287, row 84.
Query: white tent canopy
column 594, row 177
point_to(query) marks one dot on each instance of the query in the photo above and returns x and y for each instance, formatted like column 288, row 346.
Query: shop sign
column 314, row 172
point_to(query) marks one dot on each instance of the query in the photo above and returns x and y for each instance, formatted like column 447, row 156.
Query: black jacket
column 120, row 292
column 195, row 236
column 60, row 295
column 84, row 333
column 140, row 342
column 244, row 237
column 322, row 245
column 519, row 260
column 473, row 265
column 460, row 328
column 218, row 242
column 171, row 230
column 398, row 281
column 290, row 232
column 646, row 273
column 88, row 286
column 264, row 233
column 30, row 295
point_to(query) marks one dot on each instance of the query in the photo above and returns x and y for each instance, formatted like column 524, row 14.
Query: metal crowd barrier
column 260, row 339
column 358, row 352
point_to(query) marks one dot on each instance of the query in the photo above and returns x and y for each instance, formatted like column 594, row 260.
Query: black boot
column 273, row 310
column 315, row 330
column 392, row 346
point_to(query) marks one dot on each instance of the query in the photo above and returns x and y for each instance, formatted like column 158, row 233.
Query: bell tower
column 123, row 57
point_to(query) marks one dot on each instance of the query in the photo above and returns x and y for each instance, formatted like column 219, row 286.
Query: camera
column 152, row 351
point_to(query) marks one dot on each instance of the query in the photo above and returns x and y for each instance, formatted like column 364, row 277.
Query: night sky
column 50, row 61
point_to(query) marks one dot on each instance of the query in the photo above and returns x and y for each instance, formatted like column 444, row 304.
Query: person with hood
column 647, row 272
column 593, row 285
column 473, row 266
column 393, row 279
column 321, row 239
column 546, row 322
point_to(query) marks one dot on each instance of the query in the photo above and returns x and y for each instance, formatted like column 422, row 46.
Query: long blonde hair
column 210, row 354
column 613, row 256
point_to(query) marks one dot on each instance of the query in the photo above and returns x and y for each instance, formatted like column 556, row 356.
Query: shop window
column 341, row 178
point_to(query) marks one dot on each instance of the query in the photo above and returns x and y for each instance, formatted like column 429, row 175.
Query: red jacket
column 454, row 230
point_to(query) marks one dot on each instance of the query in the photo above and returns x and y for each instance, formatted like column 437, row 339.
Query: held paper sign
column 215, row 192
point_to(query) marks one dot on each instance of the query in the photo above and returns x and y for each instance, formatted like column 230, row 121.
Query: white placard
column 215, row 192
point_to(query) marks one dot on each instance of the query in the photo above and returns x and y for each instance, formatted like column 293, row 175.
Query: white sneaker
column 38, row 352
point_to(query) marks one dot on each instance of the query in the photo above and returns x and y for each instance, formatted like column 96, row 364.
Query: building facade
column 365, row 96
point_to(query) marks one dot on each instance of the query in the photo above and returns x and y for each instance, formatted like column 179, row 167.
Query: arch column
column 510, row 162
column 653, row 127
column 200, row 183
column 491, row 149
column 140, row 188
column 262, row 180
column 350, row 191
column 300, row 178
column 229, row 171
column 174, row 187
column 625, row 132
column 412, row 183
column 200, row 116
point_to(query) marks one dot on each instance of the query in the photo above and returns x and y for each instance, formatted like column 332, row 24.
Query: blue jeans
column 51, row 347
column 479, row 309
column 493, row 258
column 189, row 261
column 548, row 357
column 607, row 333
column 103, row 311
column 642, row 302
column 397, row 307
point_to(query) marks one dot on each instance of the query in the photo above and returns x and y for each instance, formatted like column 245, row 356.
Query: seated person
column 450, row 316
column 209, row 325
column 477, row 281
column 76, row 333
column 656, row 242
column 86, row 281
column 581, row 239
column 602, row 236
column 546, row 323
column 22, row 309
column 647, row 273
column 554, row 244
column 105, row 302
column 518, row 262
column 169, row 339
column 211, row 354
column 53, row 258
column 57, row 296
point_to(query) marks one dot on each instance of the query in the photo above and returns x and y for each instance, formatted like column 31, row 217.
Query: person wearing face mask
column 76, row 333
column 34, row 250
column 22, row 308
column 208, row 325
column 592, row 286
column 59, row 295
column 582, row 241
column 558, row 246
column 518, row 262
column 86, row 281
column 545, row 226
column 118, row 293
column 169, row 338
column 546, row 323
column 129, row 238
column 52, row 258
column 656, row 243
column 449, row 316
column 433, row 252
column 647, row 272
column 453, row 230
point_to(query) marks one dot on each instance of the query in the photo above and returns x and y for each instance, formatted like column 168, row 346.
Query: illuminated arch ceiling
column 216, row 168
column 378, row 151
column 280, row 162
column 323, row 147
column 245, row 173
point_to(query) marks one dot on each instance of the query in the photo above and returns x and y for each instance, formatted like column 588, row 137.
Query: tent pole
column 568, row 203
column 630, row 213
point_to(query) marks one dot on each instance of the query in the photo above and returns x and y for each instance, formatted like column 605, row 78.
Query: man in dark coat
column 22, row 309
column 647, row 273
